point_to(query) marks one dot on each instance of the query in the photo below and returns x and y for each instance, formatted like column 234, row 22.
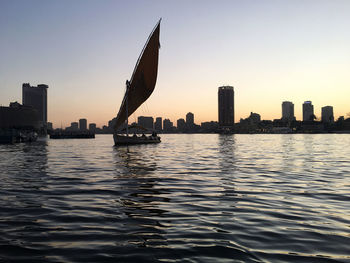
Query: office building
column 327, row 114
column 158, row 124
column 145, row 122
column 308, row 111
column 167, row 125
column 288, row 111
column 190, row 120
column 20, row 117
column 181, row 125
column 111, row 125
column 254, row 118
column 74, row 126
column 210, row 126
column 226, row 107
column 250, row 124
column 37, row 98
column 92, row 127
column 83, row 124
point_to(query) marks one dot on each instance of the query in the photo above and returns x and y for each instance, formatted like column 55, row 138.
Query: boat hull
column 133, row 140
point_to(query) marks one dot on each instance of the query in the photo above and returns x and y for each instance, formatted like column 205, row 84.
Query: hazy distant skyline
column 270, row 51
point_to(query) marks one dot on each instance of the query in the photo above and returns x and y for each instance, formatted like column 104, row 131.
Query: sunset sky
column 270, row 51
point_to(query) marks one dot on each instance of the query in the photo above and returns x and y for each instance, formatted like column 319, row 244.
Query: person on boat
column 134, row 135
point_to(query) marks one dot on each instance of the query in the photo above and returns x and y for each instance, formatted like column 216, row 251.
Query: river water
column 192, row 198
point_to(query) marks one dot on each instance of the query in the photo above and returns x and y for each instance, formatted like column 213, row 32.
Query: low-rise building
column 18, row 116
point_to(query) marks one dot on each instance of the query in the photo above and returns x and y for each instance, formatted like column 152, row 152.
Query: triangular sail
column 143, row 79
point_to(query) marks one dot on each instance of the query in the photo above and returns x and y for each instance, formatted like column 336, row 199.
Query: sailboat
column 138, row 90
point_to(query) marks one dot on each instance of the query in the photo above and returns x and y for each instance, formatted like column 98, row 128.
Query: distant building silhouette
column 105, row 129
column 92, row 127
column 83, row 124
column 146, row 122
column 111, row 126
column 308, row 111
column 74, row 126
column 327, row 114
column 49, row 126
column 190, row 120
column 181, row 125
column 209, row 126
column 288, row 111
column 254, row 117
column 19, row 117
column 37, row 98
column 168, row 125
column 250, row 124
column 158, row 124
column 341, row 119
column 226, row 107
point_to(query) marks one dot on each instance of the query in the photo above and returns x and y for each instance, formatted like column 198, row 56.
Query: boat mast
column 127, row 112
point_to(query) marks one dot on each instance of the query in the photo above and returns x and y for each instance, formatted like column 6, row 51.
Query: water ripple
column 192, row 198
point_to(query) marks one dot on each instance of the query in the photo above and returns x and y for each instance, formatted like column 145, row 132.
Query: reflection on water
column 23, row 172
column 134, row 161
column 23, row 177
column 226, row 154
column 192, row 198
column 135, row 167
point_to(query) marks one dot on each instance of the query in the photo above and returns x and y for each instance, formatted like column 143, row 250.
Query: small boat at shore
column 138, row 90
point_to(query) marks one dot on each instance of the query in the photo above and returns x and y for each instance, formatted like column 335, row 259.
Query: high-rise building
column 158, row 124
column 167, row 125
column 308, row 111
column 288, row 111
column 181, row 125
column 226, row 107
column 146, row 122
column 83, row 124
column 37, row 98
column 327, row 114
column 190, row 120
column 92, row 127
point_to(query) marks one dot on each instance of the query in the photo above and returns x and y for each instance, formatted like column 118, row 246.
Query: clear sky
column 270, row 51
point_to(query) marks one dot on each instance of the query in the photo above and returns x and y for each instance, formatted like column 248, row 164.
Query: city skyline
column 286, row 109
column 269, row 51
